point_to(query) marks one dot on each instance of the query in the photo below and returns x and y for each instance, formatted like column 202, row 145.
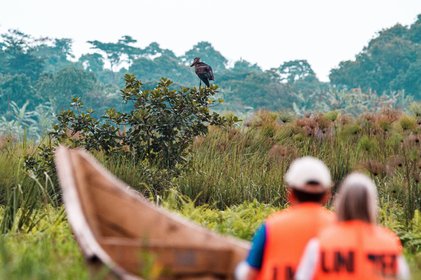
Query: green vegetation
column 233, row 183
column 156, row 133
column 390, row 62
column 43, row 71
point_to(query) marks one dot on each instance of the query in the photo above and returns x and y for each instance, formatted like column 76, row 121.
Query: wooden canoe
column 117, row 228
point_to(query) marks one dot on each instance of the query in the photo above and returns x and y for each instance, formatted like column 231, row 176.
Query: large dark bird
column 203, row 71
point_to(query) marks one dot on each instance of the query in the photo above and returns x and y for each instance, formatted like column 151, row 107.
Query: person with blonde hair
column 355, row 247
column 279, row 243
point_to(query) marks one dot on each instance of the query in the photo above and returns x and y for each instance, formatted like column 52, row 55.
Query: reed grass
column 233, row 165
column 234, row 181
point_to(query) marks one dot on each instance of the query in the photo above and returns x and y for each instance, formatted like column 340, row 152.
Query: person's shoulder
column 278, row 214
column 385, row 231
column 388, row 234
column 332, row 230
column 281, row 217
column 325, row 216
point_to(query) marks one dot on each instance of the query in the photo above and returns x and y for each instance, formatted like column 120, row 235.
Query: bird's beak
column 193, row 64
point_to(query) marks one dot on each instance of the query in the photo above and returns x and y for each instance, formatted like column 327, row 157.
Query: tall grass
column 236, row 164
column 47, row 251
column 233, row 165
column 22, row 194
column 234, row 181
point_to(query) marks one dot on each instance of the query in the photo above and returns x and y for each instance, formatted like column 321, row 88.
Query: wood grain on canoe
column 116, row 227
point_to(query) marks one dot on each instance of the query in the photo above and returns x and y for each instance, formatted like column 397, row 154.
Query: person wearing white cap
column 279, row 243
column 355, row 247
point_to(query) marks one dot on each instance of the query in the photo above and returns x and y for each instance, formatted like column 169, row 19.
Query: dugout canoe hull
column 123, row 235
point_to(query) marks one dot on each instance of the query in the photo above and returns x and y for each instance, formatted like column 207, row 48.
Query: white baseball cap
column 308, row 174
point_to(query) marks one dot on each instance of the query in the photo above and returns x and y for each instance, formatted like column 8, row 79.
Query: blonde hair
column 357, row 199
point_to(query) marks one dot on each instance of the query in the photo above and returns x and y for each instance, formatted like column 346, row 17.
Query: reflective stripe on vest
column 287, row 233
column 358, row 250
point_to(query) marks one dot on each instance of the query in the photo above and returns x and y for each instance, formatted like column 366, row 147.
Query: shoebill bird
column 203, row 71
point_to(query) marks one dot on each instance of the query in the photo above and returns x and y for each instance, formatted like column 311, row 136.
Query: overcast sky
column 266, row 32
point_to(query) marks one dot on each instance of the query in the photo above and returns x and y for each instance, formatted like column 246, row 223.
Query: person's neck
column 296, row 203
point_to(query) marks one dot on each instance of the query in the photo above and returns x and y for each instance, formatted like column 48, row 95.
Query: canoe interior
column 134, row 237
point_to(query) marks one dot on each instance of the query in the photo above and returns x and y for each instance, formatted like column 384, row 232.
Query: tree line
column 391, row 61
column 39, row 71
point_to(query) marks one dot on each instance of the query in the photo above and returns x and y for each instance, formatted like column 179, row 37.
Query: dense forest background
column 39, row 77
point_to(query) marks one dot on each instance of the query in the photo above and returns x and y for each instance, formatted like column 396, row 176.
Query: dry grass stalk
column 376, row 168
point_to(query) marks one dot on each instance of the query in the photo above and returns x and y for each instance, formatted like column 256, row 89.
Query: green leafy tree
column 378, row 66
column 243, row 66
column 208, row 54
column 299, row 76
column 55, row 55
column 65, row 84
column 119, row 52
column 125, row 44
column 410, row 80
column 415, row 31
column 157, row 132
column 2, row 58
column 162, row 66
column 387, row 64
column 18, row 89
column 93, row 62
column 167, row 120
column 153, row 49
column 294, row 70
column 19, row 57
column 255, row 89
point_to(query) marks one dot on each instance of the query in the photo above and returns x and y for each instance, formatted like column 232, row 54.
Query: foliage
column 207, row 53
column 56, row 53
column 162, row 66
column 241, row 164
column 19, row 57
column 21, row 193
column 18, row 89
column 353, row 102
column 390, row 62
column 229, row 179
column 40, row 70
column 68, row 82
column 116, row 52
column 50, row 79
column 233, row 183
column 157, row 131
column 412, row 238
column 255, row 89
column 292, row 71
column 167, row 120
column 34, row 255
column 22, row 123
column 93, row 62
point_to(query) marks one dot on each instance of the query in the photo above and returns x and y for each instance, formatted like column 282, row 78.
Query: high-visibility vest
column 358, row 250
column 287, row 233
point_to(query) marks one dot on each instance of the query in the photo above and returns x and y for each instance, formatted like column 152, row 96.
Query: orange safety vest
column 287, row 233
column 358, row 250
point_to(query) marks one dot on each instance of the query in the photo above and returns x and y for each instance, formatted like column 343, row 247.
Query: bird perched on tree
column 203, row 71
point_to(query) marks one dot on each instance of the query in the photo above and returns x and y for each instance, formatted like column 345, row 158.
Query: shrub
column 158, row 130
